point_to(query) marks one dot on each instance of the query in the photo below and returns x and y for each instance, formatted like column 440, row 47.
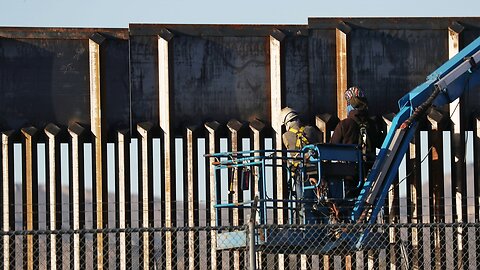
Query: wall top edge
column 394, row 23
column 61, row 33
column 223, row 30
column 383, row 23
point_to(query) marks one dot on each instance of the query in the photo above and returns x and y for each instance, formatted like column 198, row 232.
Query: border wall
column 151, row 99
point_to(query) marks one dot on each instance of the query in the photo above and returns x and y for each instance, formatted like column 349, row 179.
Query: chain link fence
column 340, row 246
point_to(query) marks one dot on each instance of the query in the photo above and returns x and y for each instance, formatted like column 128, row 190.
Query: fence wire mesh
column 342, row 246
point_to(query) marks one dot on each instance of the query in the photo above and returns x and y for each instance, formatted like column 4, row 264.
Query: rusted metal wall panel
column 322, row 73
column 144, row 79
column 207, row 71
column 44, row 77
column 115, row 69
column 390, row 63
column 43, row 81
column 296, row 73
column 210, row 65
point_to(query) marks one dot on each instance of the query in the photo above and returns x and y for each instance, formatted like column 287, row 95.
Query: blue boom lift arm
column 443, row 86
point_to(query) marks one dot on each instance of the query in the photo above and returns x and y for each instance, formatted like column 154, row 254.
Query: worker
column 296, row 136
column 358, row 128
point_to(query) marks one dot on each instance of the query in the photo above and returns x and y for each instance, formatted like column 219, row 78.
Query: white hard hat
column 288, row 114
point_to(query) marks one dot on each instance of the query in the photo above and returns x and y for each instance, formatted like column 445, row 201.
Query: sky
column 120, row 13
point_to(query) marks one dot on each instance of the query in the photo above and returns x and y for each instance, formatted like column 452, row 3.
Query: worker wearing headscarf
column 348, row 130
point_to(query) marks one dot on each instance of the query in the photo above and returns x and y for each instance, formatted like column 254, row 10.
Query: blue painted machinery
column 332, row 200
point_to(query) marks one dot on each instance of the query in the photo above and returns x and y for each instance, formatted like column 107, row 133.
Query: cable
column 413, row 170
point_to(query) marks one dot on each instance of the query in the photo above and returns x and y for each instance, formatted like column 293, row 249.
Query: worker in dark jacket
column 358, row 128
column 357, row 124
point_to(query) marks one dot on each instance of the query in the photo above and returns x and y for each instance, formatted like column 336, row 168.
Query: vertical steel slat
column 425, row 200
column 8, row 200
column 341, row 35
column 458, row 140
column 438, row 123
column 2, row 246
column 257, row 127
column 476, row 130
column 413, row 167
column 77, row 193
column 100, row 161
column 470, row 194
column 182, row 203
column 192, row 195
column 2, row 184
column 476, row 157
column 276, row 94
column 30, row 189
column 234, row 126
column 257, row 186
column 214, row 181
column 123, row 199
column 3, row 260
column 54, row 193
column 403, row 204
column 145, row 186
column 476, row 169
column 276, row 107
column 168, row 140
column 449, row 201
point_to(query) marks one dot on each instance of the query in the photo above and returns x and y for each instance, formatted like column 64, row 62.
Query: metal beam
column 234, row 126
column 145, row 186
column 341, row 33
column 257, row 128
column 165, row 115
column 100, row 161
column 54, row 189
column 276, row 97
column 477, row 148
column 214, row 181
column 30, row 196
column 123, row 193
column 192, row 195
column 8, row 199
column 458, row 139
column 77, row 193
